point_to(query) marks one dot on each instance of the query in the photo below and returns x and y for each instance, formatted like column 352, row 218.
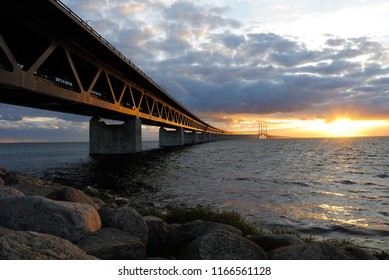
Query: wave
column 347, row 182
column 349, row 230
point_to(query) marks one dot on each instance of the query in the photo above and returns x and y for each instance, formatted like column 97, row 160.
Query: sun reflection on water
column 330, row 193
column 333, row 212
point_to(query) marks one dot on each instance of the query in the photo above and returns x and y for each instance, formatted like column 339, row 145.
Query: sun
column 344, row 128
column 340, row 127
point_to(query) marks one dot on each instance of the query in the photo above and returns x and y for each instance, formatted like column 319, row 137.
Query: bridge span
column 52, row 59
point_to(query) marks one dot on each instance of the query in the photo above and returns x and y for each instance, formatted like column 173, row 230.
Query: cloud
column 40, row 125
column 268, row 73
column 212, row 63
column 5, row 116
column 217, row 65
column 190, row 15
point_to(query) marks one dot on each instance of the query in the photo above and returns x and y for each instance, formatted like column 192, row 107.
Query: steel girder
column 53, row 60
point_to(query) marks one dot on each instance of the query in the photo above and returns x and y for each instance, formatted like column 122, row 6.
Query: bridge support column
column 106, row 139
column 171, row 138
column 191, row 137
column 203, row 137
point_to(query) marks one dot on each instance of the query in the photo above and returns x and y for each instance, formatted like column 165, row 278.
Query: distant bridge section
column 52, row 59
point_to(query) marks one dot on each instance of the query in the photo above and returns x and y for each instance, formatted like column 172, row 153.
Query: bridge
column 52, row 59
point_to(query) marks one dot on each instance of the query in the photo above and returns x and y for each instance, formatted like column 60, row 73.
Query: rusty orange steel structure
column 52, row 59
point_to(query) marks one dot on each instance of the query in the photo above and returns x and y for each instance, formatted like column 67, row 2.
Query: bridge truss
column 52, row 59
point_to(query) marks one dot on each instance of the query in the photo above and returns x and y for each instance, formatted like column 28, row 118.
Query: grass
column 93, row 192
column 285, row 230
column 186, row 215
column 233, row 218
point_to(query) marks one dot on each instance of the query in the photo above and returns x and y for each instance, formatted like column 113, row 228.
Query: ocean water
column 329, row 188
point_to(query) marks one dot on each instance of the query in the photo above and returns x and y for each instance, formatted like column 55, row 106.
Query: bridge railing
column 121, row 55
column 63, row 74
column 90, row 28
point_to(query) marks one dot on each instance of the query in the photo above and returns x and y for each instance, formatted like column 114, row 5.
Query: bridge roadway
column 52, row 59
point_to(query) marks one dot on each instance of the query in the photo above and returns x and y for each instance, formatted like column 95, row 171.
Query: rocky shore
column 44, row 220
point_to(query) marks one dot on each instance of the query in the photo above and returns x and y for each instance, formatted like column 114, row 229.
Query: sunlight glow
column 343, row 127
column 339, row 127
column 333, row 213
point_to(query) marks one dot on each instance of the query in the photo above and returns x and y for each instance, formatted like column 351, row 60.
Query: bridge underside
column 22, row 97
column 51, row 59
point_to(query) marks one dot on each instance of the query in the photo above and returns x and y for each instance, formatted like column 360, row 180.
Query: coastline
column 95, row 225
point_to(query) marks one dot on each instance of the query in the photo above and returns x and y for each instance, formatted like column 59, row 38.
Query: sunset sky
column 307, row 67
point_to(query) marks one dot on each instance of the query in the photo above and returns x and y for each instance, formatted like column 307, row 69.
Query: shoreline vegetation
column 40, row 219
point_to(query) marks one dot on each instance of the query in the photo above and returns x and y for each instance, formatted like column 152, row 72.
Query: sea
column 334, row 188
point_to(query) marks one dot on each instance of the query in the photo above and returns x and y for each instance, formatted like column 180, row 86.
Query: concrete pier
column 191, row 137
column 115, row 139
column 170, row 138
column 202, row 137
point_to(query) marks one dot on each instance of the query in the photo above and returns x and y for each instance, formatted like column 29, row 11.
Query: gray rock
column 222, row 245
column 157, row 234
column 271, row 242
column 9, row 191
column 113, row 244
column 106, row 214
column 179, row 237
column 173, row 226
column 98, row 201
column 126, row 219
column 28, row 245
column 72, row 195
column 4, row 231
column 310, row 251
column 27, row 184
column 3, row 171
column 68, row 220
column 16, row 178
column 358, row 253
column 1, row 182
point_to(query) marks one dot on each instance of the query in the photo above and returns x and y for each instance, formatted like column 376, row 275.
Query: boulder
column 179, row 237
column 9, row 191
column 28, row 245
column 271, row 242
column 157, row 234
column 310, row 251
column 68, row 220
column 3, row 171
column 16, row 178
column 29, row 185
column 358, row 253
column 222, row 245
column 126, row 219
column 72, row 195
column 113, row 244
column 106, row 213
column 4, row 231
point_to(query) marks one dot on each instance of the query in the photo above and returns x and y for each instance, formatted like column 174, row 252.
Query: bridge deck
column 51, row 59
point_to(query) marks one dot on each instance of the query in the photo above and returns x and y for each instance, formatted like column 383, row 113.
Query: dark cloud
column 17, row 113
column 42, row 135
column 268, row 73
column 9, row 116
column 190, row 15
column 230, row 40
column 21, row 123
column 211, row 65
